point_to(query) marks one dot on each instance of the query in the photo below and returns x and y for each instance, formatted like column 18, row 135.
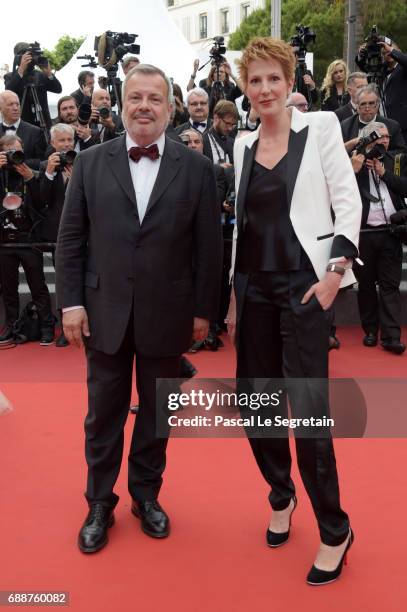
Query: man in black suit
column 23, row 77
column 138, row 274
column 368, row 102
column 86, row 81
column 355, row 82
column 32, row 137
column 108, row 126
column 198, row 108
column 68, row 114
column 383, row 187
column 218, row 140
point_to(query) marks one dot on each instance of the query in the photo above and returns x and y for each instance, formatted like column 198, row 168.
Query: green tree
column 258, row 23
column 65, row 48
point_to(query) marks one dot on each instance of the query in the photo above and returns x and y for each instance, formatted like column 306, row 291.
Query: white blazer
column 319, row 176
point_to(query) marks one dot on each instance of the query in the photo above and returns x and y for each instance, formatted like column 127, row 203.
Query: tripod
column 300, row 72
column 378, row 78
column 114, row 86
column 39, row 113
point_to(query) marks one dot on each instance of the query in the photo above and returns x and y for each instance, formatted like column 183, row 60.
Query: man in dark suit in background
column 33, row 138
column 368, row 103
column 218, row 141
column 355, row 82
column 138, row 274
column 24, row 76
column 198, row 109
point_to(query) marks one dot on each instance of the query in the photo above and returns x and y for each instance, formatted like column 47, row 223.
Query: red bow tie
column 136, row 153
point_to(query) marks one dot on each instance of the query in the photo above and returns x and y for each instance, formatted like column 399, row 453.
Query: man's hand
column 308, row 81
column 231, row 317
column 83, row 131
column 46, row 69
column 67, row 172
column 108, row 123
column 75, row 324
column 25, row 60
column 201, row 328
column 53, row 163
column 325, row 290
column 357, row 161
column 95, row 117
column 386, row 48
column 87, row 90
column 25, row 171
column 196, row 66
column 3, row 159
column 351, row 144
column 376, row 165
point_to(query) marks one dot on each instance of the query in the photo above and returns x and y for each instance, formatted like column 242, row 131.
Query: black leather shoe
column 370, row 339
column 6, row 334
column 134, row 408
column 93, row 534
column 154, row 521
column 394, row 346
column 61, row 341
column 47, row 337
column 318, row 577
column 277, row 539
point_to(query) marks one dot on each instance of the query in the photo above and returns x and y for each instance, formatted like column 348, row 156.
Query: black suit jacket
column 42, row 83
column 225, row 145
column 397, row 185
column 166, row 270
column 344, row 112
column 34, row 144
column 52, row 197
column 350, row 129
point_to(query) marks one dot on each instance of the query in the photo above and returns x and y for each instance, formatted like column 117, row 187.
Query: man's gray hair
column 368, row 89
column 197, row 91
column 373, row 126
column 9, row 139
column 4, row 94
column 356, row 75
column 194, row 132
column 62, row 127
column 128, row 60
column 148, row 69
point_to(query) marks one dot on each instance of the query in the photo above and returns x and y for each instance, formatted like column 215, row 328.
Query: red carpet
column 216, row 558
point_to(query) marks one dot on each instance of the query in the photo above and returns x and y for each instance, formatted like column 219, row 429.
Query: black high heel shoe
column 318, row 577
column 277, row 539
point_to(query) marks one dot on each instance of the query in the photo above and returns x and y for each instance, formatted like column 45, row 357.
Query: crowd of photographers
column 37, row 155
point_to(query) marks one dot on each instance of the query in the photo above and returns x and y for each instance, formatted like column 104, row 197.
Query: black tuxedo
column 381, row 253
column 224, row 144
column 42, row 83
column 53, row 197
column 344, row 112
column 34, row 144
column 107, row 133
column 350, row 129
column 141, row 286
column 188, row 126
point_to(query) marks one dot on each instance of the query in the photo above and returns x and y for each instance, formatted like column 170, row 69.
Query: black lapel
column 296, row 146
column 119, row 164
column 248, row 160
column 169, row 168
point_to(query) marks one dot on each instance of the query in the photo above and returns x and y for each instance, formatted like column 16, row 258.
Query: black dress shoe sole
column 93, row 549
column 152, row 534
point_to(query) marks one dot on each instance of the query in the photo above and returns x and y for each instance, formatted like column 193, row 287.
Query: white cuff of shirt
column 72, row 308
column 49, row 176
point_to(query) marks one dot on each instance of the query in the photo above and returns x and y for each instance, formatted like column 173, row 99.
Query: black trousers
column 382, row 255
column 281, row 338
column 32, row 263
column 109, row 393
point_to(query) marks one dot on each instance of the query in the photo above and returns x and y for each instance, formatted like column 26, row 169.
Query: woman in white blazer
column 289, row 260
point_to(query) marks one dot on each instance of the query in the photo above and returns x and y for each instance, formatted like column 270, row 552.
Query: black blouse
column 268, row 242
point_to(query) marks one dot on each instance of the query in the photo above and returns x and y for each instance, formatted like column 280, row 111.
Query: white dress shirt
column 144, row 174
column 376, row 216
column 8, row 131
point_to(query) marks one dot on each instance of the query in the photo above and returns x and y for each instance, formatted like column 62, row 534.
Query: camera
column 218, row 50
column 104, row 112
column 378, row 151
column 84, row 113
column 15, row 158
column 38, row 59
column 304, row 37
column 111, row 47
column 365, row 142
column 372, row 54
column 66, row 158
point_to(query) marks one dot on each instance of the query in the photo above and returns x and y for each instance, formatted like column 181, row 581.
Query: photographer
column 27, row 82
column 305, row 85
column 104, row 122
column 218, row 141
column 382, row 181
column 70, row 114
column 198, row 109
column 86, row 81
column 393, row 79
column 31, row 136
column 368, row 102
column 19, row 218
